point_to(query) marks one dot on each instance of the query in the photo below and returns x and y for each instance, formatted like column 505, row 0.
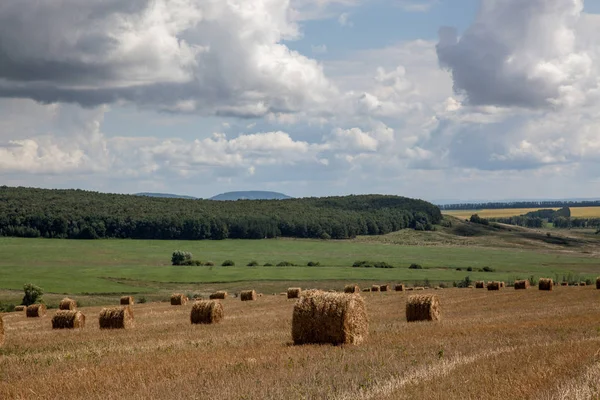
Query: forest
column 520, row 204
column 79, row 214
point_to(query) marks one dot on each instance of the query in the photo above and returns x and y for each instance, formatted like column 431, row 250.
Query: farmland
column 523, row 344
column 576, row 212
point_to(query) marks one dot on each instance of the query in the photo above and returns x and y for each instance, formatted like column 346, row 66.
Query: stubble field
column 576, row 212
column 524, row 344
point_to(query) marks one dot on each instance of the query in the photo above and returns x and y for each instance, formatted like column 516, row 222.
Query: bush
column 371, row 264
column 415, row 266
column 181, row 257
column 252, row 264
column 33, row 294
column 443, row 285
column 488, row 269
column 588, row 281
column 142, row 300
column 268, row 265
column 470, row 269
column 286, row 264
column 465, row 282
column 209, row 263
column 313, row 264
column 228, row 263
column 459, row 269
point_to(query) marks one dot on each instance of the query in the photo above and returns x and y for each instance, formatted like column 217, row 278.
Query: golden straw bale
column 545, row 284
column 493, row 286
column 206, row 312
column 293, row 292
column 419, row 288
column 598, row 282
column 399, row 287
column 116, row 318
column 67, row 304
column 219, row 295
column 522, row 284
column 336, row 318
column 384, row 288
column 20, row 308
column 423, row 307
column 375, row 288
column 411, row 288
column 367, row 289
column 1, row 331
column 178, row 299
column 582, row 283
column 351, row 289
column 126, row 301
column 502, row 284
column 567, row 284
column 479, row 285
column 248, row 295
column 36, row 310
column 68, row 319
column 470, row 287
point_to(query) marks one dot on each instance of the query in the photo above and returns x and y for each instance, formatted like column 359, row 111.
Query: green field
column 132, row 266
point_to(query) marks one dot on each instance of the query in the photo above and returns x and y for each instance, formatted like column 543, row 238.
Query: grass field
column 130, row 266
column 576, row 212
column 508, row 344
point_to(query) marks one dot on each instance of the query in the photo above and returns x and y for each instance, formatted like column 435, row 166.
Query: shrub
column 252, row 264
column 209, row 263
column 533, row 281
column 313, row 264
column 415, row 266
column 33, row 294
column 465, row 283
column 470, row 269
column 286, row 264
column 228, row 263
column 488, row 269
column 459, row 269
column 181, row 257
column 443, row 285
column 142, row 300
column 588, row 281
column 371, row 264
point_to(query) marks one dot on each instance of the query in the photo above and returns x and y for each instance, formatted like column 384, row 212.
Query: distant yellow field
column 576, row 212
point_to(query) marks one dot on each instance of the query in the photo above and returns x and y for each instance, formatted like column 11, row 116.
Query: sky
column 433, row 99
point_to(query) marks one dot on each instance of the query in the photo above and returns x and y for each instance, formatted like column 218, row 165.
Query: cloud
column 417, row 5
column 185, row 56
column 525, row 54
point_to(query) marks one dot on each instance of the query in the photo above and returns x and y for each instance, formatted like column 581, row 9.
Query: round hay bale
column 20, row 308
column 178, row 299
column 411, row 288
column 470, row 287
column 582, row 283
column 493, row 286
column 294, row 292
column 522, row 284
column 126, row 301
column 116, row 318
column 219, row 295
column 598, row 282
column 419, row 288
column 375, row 288
column 423, row 307
column 335, row 318
column 248, row 295
column 36, row 310
column 567, row 284
column 479, row 285
column 1, row 331
column 502, row 284
column 68, row 319
column 206, row 312
column 384, row 288
column 67, row 304
column 399, row 287
column 351, row 289
column 367, row 289
column 545, row 284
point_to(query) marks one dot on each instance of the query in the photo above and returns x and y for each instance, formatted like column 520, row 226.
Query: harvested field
column 522, row 344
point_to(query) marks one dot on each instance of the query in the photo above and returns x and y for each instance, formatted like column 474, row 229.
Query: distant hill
column 165, row 195
column 251, row 195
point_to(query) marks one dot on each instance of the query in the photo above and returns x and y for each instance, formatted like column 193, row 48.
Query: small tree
column 33, row 294
column 181, row 257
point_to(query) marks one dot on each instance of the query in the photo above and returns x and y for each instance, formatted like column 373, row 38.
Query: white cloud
column 417, row 5
column 344, row 20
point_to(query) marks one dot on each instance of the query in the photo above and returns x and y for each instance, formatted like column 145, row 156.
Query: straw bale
column 411, row 288
column 293, row 292
column 479, row 285
column 419, row 288
column 20, row 308
column 68, row 319
column 582, row 283
column 206, row 312
column 470, row 287
column 178, row 299
column 493, row 286
column 336, row 318
column 598, row 282
column 567, row 284
column 248, row 295
column 67, row 304
column 399, row 287
column 218, row 295
column 367, row 289
column 502, row 284
column 116, row 318
column 375, row 288
column 35, row 310
column 522, row 284
column 423, row 307
column 545, row 284
column 351, row 289
column 126, row 301
column 384, row 288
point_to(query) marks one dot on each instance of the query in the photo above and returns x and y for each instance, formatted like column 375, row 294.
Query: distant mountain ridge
column 166, row 195
column 250, row 195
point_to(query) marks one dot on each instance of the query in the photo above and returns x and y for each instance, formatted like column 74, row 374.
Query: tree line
column 79, row 214
column 520, row 204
